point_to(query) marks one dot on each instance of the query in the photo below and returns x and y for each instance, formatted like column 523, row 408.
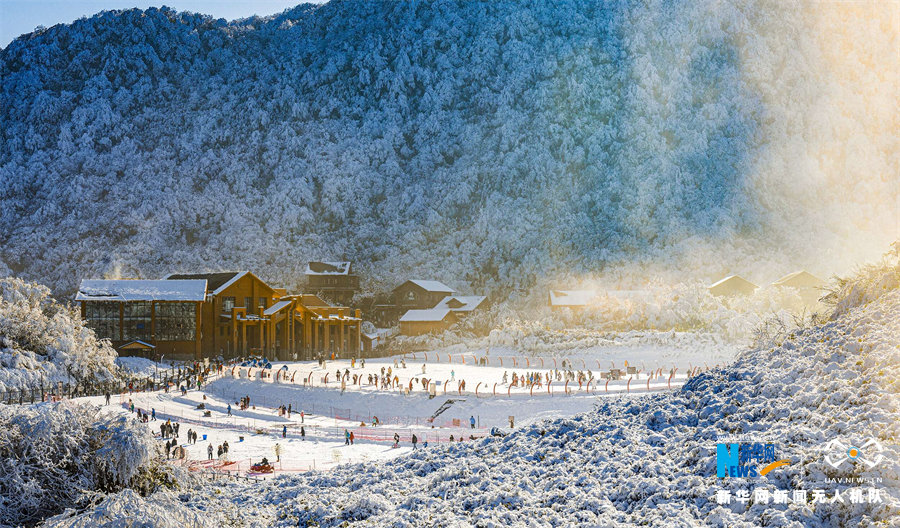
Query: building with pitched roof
column 732, row 285
column 335, row 281
column 431, row 321
column 210, row 314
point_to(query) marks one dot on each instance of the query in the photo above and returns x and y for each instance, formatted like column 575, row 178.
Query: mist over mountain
column 491, row 145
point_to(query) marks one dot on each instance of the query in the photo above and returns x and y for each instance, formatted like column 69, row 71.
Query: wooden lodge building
column 335, row 281
column 216, row 314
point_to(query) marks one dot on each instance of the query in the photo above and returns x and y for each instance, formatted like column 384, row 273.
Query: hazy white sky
column 22, row 16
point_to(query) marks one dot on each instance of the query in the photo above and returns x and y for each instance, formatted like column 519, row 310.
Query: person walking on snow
column 472, row 421
column 302, row 433
column 423, row 368
column 302, row 416
column 284, row 432
column 153, row 414
column 396, row 440
column 452, row 375
column 414, row 440
column 278, row 451
column 346, row 437
column 352, row 437
column 107, row 397
column 229, row 409
column 209, row 452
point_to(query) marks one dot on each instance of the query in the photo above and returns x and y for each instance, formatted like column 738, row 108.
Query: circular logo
column 853, row 453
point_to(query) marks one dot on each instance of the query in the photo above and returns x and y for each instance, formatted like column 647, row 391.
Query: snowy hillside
column 42, row 342
column 641, row 461
column 54, row 456
column 481, row 143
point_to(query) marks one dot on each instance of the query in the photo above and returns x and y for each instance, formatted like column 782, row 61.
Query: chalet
column 572, row 299
column 419, row 295
column 809, row 286
column 146, row 317
column 463, row 305
column 334, row 280
column 206, row 315
column 419, row 322
column 732, row 285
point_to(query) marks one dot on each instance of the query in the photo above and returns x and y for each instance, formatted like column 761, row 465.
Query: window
column 137, row 321
column 176, row 321
column 227, row 304
column 264, row 302
column 248, row 304
column 103, row 317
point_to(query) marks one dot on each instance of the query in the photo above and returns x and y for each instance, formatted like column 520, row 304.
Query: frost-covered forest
column 43, row 342
column 486, row 144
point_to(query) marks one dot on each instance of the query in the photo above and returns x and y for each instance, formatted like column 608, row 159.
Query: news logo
column 746, row 460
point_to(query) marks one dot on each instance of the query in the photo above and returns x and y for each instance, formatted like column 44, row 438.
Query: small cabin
column 809, row 286
column 572, row 299
column 733, row 285
column 418, row 294
column 463, row 305
column 431, row 321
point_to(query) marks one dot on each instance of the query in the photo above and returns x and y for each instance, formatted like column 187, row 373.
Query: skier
column 414, row 440
column 472, row 421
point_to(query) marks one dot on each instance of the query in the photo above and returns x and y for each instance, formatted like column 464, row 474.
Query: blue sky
column 22, row 16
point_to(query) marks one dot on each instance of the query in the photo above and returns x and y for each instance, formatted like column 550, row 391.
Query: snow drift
column 58, row 455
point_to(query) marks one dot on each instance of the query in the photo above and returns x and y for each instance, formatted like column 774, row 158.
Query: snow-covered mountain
column 481, row 143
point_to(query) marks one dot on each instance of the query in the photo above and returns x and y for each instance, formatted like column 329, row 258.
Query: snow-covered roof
column 137, row 343
column 432, row 315
column 217, row 282
column 461, row 303
column 571, row 297
column 121, row 290
column 433, row 286
column 800, row 279
column 277, row 307
column 328, row 268
column 737, row 279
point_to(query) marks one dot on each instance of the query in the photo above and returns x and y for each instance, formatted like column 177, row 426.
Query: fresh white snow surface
column 635, row 461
